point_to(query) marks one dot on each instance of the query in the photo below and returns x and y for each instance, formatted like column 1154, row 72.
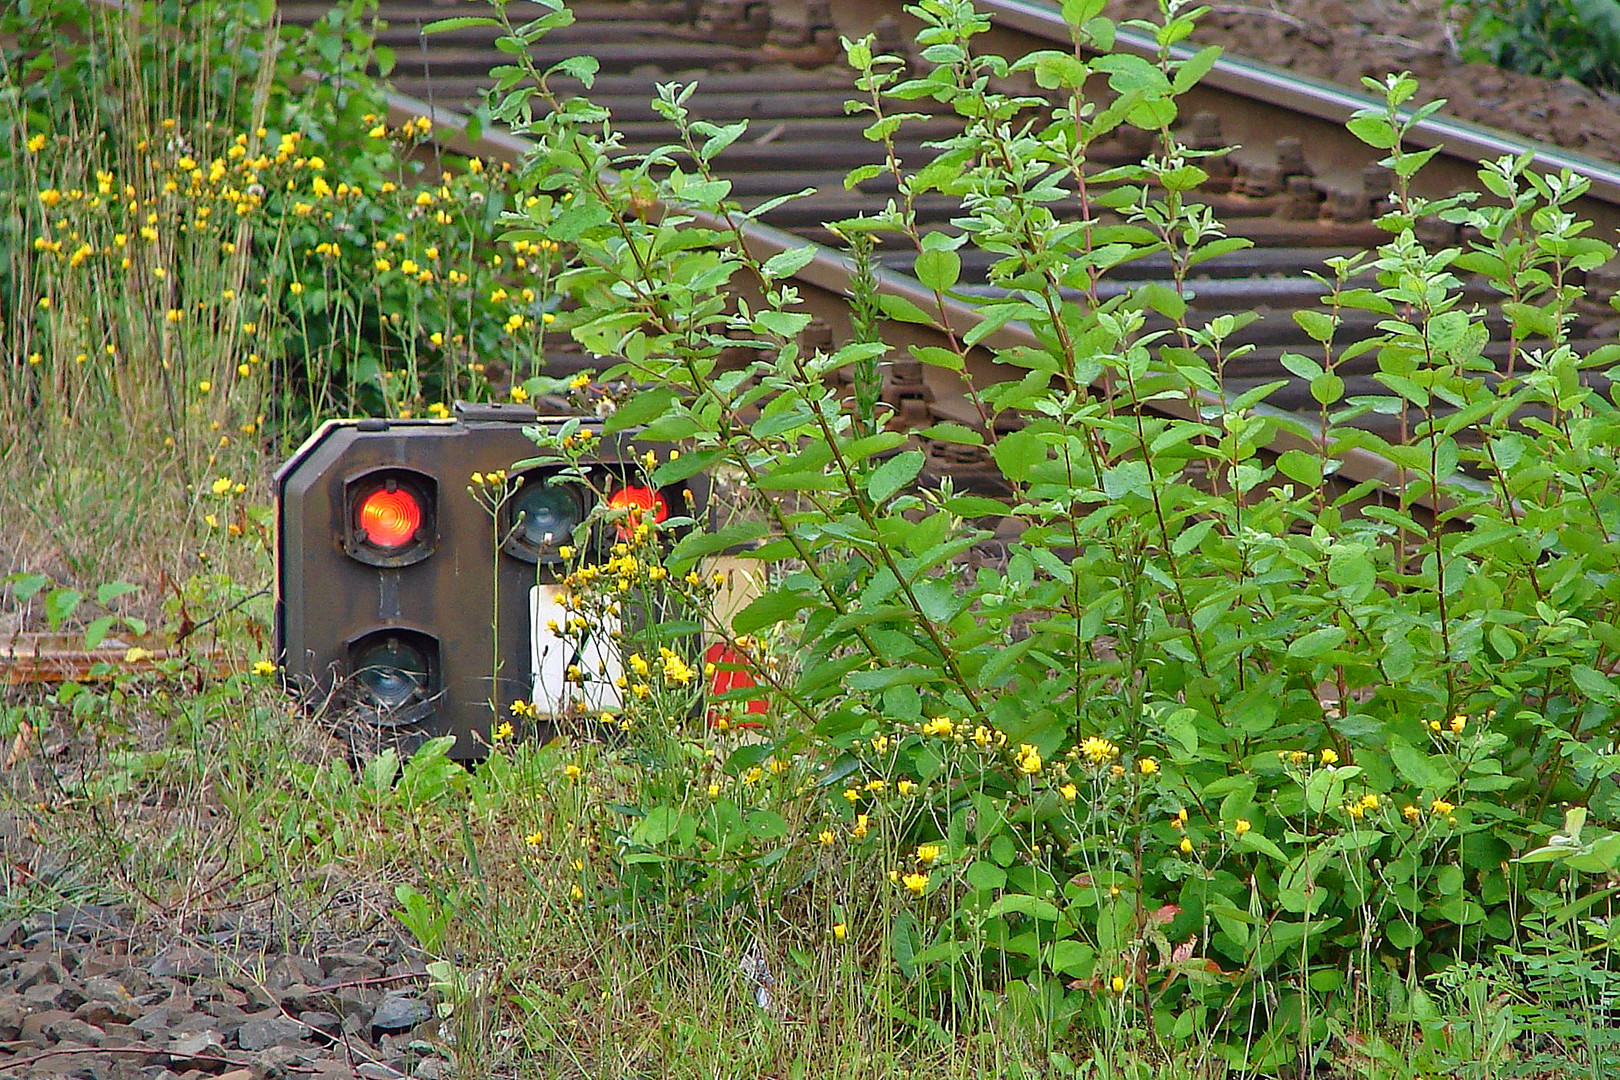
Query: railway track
column 1298, row 185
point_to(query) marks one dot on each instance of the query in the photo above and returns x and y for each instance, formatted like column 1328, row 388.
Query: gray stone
column 184, row 962
column 351, row 965
column 36, row 1026
column 355, row 1000
column 120, row 1035
column 74, row 1030
column 431, row 1068
column 322, row 1021
column 197, row 1049
column 154, row 1024
column 290, row 970
column 12, row 1011
column 284, row 1057
column 44, row 996
column 256, row 1033
column 113, row 997
column 376, row 1070
column 88, row 919
column 33, row 972
column 225, row 1011
column 400, row 1011
column 301, row 996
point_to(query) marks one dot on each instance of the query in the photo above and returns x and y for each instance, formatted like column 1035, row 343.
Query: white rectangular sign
column 552, row 653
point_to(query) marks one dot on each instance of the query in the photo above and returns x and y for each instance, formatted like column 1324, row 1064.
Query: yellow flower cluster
column 1097, row 749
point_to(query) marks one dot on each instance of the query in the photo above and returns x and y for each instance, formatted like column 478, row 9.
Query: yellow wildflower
column 915, row 883
column 1028, row 759
column 36, row 144
column 940, row 726
column 1241, row 826
column 1147, row 765
column 573, row 771
column 1186, row 846
column 1330, row 756
column 264, row 667
column 840, row 931
column 1097, row 749
column 1069, row 792
column 1441, row 806
column 928, row 854
column 861, row 827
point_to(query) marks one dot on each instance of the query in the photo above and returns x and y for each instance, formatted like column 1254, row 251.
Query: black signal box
column 404, row 609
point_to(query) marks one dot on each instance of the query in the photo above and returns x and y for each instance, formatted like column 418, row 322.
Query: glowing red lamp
column 390, row 519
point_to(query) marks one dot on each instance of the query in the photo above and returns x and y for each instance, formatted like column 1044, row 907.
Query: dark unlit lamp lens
column 392, row 673
column 390, row 518
column 546, row 515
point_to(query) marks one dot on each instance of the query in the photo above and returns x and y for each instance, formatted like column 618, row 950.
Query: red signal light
column 644, row 504
column 731, row 673
column 390, row 518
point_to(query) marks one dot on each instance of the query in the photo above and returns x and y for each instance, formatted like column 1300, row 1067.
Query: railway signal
column 408, row 606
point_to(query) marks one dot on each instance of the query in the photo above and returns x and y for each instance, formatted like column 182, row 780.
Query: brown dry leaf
column 21, row 745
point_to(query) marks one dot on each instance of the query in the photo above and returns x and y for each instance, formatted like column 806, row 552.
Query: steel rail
column 830, row 271
column 1326, row 101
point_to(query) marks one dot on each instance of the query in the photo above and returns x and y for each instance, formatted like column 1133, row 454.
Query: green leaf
column 776, row 606
column 686, row 466
column 1320, row 327
column 458, row 22
column 1018, row 452
column 1316, row 643
column 900, row 309
column 1414, row 765
column 112, row 590
column 950, row 432
column 695, row 545
column 1194, row 68
column 1372, row 128
column 96, row 632
column 939, row 270
column 643, row 406
column 24, row 587
column 581, row 68
column 1327, row 388
column 986, row 876
column 1127, row 478
column 60, row 604
column 895, row 474
column 1163, row 299
column 785, row 264
column 937, row 356
column 1593, row 683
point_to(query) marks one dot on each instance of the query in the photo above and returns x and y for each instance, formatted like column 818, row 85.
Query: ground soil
column 1344, row 40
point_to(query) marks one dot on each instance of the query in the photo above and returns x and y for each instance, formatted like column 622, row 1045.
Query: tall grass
column 129, row 376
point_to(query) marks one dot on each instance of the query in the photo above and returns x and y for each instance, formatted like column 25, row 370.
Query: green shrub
column 1219, row 745
column 1576, row 39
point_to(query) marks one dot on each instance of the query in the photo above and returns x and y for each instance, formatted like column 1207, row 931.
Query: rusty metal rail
column 1299, row 185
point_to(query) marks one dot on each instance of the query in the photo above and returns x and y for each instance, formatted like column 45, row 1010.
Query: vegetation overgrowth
column 1226, row 767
